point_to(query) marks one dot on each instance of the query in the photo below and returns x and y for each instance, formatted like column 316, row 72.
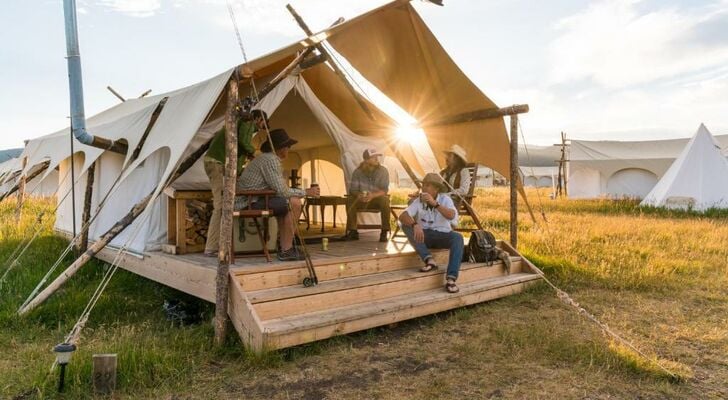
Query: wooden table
column 176, row 219
column 322, row 202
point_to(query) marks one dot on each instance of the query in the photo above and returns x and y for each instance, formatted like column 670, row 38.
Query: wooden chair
column 264, row 214
column 370, row 210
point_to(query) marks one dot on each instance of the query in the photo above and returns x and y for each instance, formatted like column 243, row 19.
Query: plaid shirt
column 265, row 172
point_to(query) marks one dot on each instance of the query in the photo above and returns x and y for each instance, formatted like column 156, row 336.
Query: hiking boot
column 384, row 236
column 352, row 235
column 290, row 255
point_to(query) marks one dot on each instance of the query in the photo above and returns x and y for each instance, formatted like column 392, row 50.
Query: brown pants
column 380, row 203
column 214, row 171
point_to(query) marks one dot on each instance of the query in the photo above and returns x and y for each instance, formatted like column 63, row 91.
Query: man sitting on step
column 265, row 172
column 428, row 221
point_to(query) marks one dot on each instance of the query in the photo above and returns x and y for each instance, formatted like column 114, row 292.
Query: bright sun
column 409, row 133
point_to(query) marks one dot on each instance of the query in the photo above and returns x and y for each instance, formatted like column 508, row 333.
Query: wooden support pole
column 334, row 65
column 115, row 93
column 86, row 217
column 104, row 373
column 226, row 217
column 405, row 165
column 21, row 190
column 43, row 167
column 107, row 237
column 514, row 181
column 486, row 113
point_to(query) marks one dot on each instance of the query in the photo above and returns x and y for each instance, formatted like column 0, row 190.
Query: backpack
column 482, row 247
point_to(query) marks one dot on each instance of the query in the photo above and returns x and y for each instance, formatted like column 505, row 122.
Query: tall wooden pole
column 21, row 191
column 86, row 217
column 226, row 217
column 514, row 180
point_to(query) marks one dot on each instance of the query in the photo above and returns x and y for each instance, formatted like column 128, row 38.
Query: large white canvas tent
column 619, row 169
column 390, row 46
column 697, row 180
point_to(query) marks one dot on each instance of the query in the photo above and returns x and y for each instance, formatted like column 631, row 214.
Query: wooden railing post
column 226, row 217
column 514, row 181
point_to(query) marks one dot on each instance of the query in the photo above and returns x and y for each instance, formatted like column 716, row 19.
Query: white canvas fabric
column 698, row 179
column 621, row 168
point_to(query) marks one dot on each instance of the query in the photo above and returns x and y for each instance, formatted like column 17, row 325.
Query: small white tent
column 698, row 179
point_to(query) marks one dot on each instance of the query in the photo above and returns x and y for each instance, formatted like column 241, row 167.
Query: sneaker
column 384, row 236
column 290, row 255
column 352, row 235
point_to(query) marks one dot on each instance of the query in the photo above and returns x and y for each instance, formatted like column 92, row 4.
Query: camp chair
column 248, row 212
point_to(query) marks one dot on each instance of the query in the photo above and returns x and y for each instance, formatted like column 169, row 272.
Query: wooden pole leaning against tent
column 86, row 217
column 333, row 64
column 115, row 230
column 226, row 217
column 43, row 167
column 21, row 191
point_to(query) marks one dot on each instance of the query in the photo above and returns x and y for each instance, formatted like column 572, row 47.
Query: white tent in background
column 619, row 169
column 698, row 179
column 538, row 176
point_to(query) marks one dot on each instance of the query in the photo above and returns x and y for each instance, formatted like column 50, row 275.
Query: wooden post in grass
column 107, row 237
column 514, row 181
column 226, row 217
column 86, row 217
column 104, row 373
column 21, row 190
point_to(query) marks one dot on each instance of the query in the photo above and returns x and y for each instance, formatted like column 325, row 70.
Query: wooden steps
column 271, row 309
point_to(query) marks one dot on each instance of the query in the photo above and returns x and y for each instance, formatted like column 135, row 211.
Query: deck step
column 317, row 325
column 281, row 302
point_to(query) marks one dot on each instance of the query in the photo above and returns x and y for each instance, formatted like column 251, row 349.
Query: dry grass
column 658, row 278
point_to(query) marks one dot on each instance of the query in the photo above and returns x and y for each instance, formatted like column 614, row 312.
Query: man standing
column 368, row 190
column 214, row 163
column 265, row 172
column 428, row 221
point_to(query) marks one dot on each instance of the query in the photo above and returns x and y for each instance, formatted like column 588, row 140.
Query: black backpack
column 482, row 247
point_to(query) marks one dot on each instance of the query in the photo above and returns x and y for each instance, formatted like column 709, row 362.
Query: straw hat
column 458, row 151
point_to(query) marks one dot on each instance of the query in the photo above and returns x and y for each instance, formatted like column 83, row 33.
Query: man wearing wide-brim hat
column 265, row 172
column 428, row 222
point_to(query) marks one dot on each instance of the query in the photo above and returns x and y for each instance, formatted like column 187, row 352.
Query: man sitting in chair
column 427, row 222
column 265, row 172
column 368, row 190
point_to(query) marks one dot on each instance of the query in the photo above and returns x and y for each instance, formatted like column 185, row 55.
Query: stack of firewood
column 197, row 221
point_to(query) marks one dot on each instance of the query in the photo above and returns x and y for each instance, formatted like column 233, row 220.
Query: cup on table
column 316, row 191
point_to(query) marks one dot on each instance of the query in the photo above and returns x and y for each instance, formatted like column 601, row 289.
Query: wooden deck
column 362, row 284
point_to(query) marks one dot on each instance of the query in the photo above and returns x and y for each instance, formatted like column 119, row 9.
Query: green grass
column 659, row 278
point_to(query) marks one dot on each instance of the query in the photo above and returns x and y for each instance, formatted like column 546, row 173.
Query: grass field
column 658, row 278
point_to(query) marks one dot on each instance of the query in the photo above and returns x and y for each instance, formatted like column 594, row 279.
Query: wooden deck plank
column 372, row 288
column 292, row 331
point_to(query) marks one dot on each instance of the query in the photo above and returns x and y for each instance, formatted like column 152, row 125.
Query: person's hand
column 427, row 198
column 313, row 191
column 419, row 234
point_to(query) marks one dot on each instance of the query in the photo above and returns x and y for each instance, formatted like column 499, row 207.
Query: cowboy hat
column 435, row 180
column 458, row 151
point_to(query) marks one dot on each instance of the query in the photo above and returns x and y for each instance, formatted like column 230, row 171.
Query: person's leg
column 352, row 203
column 420, row 248
column 214, row 171
column 382, row 203
column 448, row 240
column 296, row 207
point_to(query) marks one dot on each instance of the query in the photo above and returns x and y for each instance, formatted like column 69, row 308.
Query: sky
column 596, row 70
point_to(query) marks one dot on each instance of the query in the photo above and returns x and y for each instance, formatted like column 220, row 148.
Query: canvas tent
column 698, row 179
column 621, row 168
column 539, row 176
column 400, row 56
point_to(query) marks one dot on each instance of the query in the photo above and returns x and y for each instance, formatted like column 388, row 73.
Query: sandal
column 429, row 265
column 451, row 287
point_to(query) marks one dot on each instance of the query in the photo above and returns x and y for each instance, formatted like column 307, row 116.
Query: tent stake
column 107, row 237
column 226, row 217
